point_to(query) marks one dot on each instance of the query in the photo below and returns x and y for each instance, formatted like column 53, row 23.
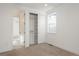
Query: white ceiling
column 38, row 6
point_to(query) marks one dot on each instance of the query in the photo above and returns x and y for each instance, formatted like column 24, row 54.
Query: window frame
column 51, row 14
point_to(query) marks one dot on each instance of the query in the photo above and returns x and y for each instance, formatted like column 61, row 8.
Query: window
column 52, row 23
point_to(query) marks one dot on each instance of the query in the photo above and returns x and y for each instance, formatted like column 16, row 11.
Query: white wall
column 5, row 31
column 7, row 12
column 50, row 38
column 5, row 28
column 67, row 36
column 41, row 27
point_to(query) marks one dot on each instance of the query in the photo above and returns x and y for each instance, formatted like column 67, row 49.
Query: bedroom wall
column 67, row 28
column 6, row 14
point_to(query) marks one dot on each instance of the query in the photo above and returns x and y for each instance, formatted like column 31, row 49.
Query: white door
column 16, row 38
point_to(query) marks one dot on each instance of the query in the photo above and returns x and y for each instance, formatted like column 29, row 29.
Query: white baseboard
column 76, row 53
column 4, row 50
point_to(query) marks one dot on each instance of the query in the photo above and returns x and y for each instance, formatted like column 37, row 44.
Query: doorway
column 18, row 40
column 33, row 28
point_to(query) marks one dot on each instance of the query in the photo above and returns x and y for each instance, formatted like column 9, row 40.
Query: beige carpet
column 38, row 50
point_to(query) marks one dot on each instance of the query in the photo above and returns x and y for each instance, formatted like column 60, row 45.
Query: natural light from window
column 52, row 23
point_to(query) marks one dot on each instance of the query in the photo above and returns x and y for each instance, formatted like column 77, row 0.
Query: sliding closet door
column 33, row 28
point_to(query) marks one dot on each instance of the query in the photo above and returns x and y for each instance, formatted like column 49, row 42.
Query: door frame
column 37, row 26
column 27, row 29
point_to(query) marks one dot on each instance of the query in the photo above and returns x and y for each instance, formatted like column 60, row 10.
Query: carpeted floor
column 38, row 50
